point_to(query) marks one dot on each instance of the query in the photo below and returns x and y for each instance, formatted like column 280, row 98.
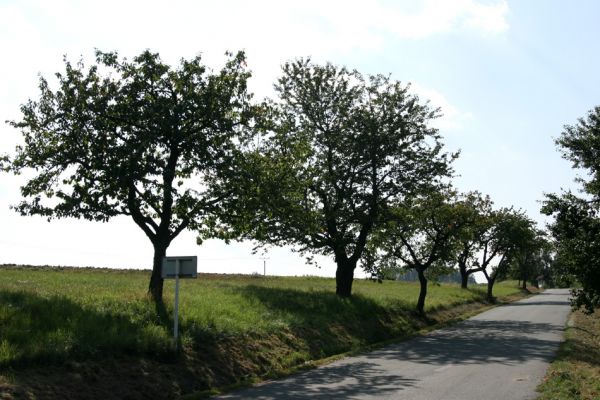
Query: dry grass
column 575, row 374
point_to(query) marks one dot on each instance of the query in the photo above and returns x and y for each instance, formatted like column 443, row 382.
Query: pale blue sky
column 519, row 88
column 507, row 74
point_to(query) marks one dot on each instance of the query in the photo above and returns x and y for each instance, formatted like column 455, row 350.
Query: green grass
column 233, row 328
column 55, row 314
column 575, row 374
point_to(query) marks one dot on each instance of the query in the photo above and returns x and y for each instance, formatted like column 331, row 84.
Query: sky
column 508, row 75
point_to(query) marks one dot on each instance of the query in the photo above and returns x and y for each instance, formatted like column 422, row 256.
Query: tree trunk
column 464, row 279
column 490, row 286
column 524, row 283
column 422, row 292
column 344, row 275
column 462, row 266
column 155, row 289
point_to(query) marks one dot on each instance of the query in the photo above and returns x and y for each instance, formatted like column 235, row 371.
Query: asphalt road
column 500, row 354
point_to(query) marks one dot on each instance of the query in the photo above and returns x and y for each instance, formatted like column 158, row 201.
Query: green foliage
column 580, row 144
column 535, row 260
column 125, row 137
column 576, row 228
column 339, row 148
column 422, row 233
column 515, row 239
column 476, row 244
column 114, row 143
column 493, row 241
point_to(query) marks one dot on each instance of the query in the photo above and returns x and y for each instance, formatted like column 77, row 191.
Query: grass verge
column 75, row 333
column 575, row 374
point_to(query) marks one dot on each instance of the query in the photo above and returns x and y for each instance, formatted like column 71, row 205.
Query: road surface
column 500, row 354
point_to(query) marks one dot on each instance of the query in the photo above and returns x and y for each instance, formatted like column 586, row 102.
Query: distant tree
column 533, row 260
column 371, row 263
column 576, row 228
column 514, row 234
column 135, row 138
column 544, row 262
column 561, row 274
column 497, row 269
column 476, row 241
column 422, row 234
column 440, row 276
column 340, row 149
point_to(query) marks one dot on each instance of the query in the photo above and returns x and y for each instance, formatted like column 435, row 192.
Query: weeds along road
column 500, row 354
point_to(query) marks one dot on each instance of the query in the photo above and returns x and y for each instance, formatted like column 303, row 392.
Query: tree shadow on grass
column 303, row 326
column 582, row 342
column 53, row 329
column 329, row 324
column 579, row 350
column 471, row 341
column 56, row 348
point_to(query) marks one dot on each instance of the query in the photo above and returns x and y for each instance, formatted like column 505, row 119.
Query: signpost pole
column 176, row 311
column 264, row 265
column 178, row 268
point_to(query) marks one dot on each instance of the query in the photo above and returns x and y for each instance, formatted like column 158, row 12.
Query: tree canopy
column 475, row 242
column 339, row 149
column 512, row 240
column 136, row 138
column 576, row 231
column 576, row 228
column 422, row 233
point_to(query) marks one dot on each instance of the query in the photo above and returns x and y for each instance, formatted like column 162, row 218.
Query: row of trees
column 338, row 164
column 441, row 231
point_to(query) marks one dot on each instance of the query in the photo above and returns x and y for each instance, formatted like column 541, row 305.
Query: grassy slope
column 233, row 328
column 575, row 374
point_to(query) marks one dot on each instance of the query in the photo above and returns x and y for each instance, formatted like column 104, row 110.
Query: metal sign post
column 176, row 311
column 175, row 268
column 264, row 265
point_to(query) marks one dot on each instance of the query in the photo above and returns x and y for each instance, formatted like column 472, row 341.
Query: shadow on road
column 540, row 303
column 552, row 292
column 332, row 382
column 478, row 341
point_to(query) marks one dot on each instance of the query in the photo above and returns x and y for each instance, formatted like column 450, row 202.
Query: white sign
column 176, row 268
column 182, row 267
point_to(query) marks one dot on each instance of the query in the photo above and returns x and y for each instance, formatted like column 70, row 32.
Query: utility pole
column 264, row 265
